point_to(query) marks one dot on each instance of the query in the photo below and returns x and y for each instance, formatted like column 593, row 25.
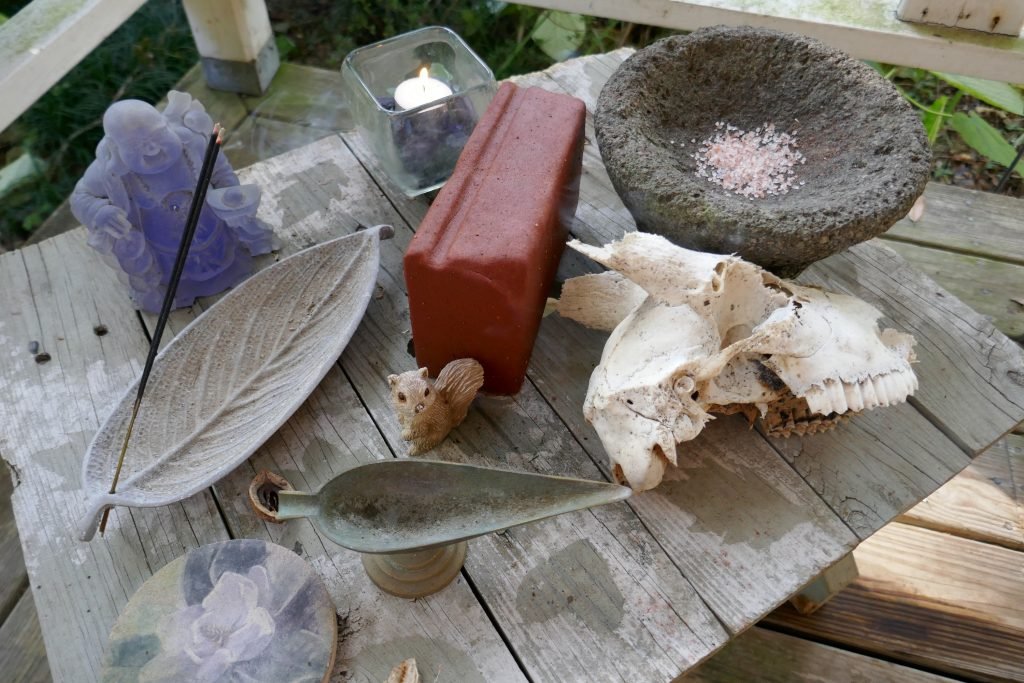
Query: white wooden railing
column 867, row 29
column 47, row 38
column 42, row 42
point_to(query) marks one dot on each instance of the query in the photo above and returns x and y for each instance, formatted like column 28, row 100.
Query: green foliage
column 511, row 38
column 958, row 118
column 559, row 34
column 1002, row 95
column 143, row 59
column 980, row 135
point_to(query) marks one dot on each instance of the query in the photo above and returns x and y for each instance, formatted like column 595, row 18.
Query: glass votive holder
column 415, row 100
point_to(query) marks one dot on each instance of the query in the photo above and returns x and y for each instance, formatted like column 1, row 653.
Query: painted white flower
column 230, row 626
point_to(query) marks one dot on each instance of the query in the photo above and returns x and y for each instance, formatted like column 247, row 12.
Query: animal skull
column 695, row 333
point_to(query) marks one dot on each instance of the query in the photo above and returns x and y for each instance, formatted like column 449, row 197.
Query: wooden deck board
column 22, row 653
column 983, row 503
column 945, row 603
column 950, row 336
column 13, row 577
column 769, row 657
column 966, row 222
column 45, row 302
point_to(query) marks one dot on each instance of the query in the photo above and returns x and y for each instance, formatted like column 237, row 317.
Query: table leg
column 825, row 585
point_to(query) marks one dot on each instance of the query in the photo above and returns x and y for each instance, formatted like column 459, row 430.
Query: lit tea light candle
column 414, row 92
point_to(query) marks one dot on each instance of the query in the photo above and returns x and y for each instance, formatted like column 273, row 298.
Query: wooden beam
column 991, row 16
column 235, row 43
column 867, row 29
column 42, row 42
column 825, row 586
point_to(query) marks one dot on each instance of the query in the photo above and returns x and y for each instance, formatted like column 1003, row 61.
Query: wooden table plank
column 875, row 466
column 448, row 633
column 56, row 294
column 311, row 195
column 992, row 293
column 636, row 615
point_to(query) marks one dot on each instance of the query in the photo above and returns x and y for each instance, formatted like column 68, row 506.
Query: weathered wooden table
column 639, row 591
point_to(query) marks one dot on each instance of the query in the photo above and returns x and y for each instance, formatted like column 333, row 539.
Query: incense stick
column 198, row 198
column 1009, row 169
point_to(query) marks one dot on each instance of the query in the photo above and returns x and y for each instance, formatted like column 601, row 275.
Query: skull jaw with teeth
column 694, row 334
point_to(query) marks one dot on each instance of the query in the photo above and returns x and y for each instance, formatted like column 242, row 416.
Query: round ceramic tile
column 237, row 611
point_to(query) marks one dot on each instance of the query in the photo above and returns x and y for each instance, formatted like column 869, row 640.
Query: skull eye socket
column 401, row 397
column 426, row 392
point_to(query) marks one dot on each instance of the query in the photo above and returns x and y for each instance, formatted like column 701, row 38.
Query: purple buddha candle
column 135, row 197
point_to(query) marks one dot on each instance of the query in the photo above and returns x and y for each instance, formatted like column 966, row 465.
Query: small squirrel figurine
column 428, row 409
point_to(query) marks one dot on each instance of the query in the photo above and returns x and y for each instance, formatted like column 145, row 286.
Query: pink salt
column 755, row 164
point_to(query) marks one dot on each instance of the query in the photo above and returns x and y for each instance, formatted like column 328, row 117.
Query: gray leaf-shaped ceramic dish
column 224, row 385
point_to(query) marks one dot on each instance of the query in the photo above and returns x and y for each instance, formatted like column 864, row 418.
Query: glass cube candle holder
column 415, row 100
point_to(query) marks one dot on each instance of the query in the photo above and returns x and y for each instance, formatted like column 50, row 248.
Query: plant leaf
column 1002, row 95
column 559, row 34
column 231, row 378
column 24, row 168
column 984, row 139
column 933, row 122
column 285, row 46
column 883, row 69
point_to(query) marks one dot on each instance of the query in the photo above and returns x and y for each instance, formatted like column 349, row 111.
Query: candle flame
column 424, row 73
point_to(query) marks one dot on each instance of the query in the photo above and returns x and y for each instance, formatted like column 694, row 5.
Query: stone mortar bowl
column 867, row 156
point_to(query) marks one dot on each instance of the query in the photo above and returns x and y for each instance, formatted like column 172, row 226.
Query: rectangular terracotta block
column 480, row 265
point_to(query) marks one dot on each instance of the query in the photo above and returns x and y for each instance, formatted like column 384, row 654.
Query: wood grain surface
column 12, row 564
column 21, row 645
column 945, row 603
column 984, row 503
column 769, row 657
